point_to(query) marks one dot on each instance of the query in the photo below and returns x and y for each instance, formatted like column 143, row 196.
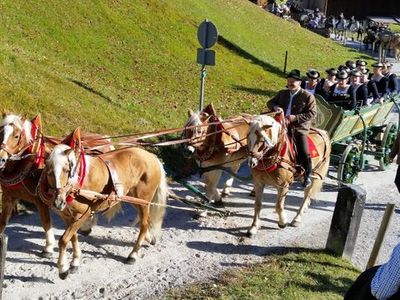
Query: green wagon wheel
column 349, row 164
column 387, row 142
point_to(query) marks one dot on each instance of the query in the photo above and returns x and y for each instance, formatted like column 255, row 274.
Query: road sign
column 205, row 57
column 207, row 34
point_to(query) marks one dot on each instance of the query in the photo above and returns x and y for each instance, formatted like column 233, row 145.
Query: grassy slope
column 123, row 66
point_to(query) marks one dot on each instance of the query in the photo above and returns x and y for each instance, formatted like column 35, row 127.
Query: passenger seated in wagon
column 392, row 78
column 380, row 80
column 339, row 92
column 324, row 86
column 311, row 84
column 373, row 94
column 349, row 96
column 358, row 91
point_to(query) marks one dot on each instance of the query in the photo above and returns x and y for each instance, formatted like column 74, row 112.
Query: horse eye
column 16, row 136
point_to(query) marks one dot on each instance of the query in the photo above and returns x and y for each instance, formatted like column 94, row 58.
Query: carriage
column 355, row 134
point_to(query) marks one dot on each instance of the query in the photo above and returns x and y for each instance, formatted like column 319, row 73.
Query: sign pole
column 207, row 35
column 202, row 78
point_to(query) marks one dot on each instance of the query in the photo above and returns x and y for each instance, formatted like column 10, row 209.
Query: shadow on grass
column 246, row 55
column 92, row 90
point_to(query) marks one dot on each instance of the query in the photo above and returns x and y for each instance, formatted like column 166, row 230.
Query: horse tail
column 322, row 167
column 157, row 211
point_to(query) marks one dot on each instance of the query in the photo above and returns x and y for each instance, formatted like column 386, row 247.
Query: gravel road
column 190, row 249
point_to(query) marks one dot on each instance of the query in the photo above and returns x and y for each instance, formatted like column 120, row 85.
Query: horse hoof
column 85, row 232
column 219, row 203
column 73, row 269
column 252, row 193
column 46, row 254
column 153, row 241
column 295, row 223
column 282, row 225
column 250, row 234
column 130, row 260
column 224, row 194
column 63, row 275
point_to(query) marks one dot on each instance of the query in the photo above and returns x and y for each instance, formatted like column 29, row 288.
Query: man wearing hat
column 324, row 86
column 392, row 77
column 311, row 84
column 358, row 92
column 299, row 108
column 380, row 80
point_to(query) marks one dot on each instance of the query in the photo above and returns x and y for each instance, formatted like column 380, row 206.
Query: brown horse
column 215, row 142
column 128, row 171
column 273, row 164
column 22, row 153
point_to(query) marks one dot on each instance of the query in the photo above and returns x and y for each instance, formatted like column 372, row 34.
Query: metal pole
column 3, row 250
column 284, row 67
column 203, row 70
column 202, row 78
column 381, row 234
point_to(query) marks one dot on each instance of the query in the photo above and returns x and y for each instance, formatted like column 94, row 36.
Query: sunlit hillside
column 123, row 66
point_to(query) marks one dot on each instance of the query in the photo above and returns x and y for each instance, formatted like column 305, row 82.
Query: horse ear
column 23, row 118
column 5, row 113
column 190, row 113
column 210, row 109
column 76, row 140
column 37, row 121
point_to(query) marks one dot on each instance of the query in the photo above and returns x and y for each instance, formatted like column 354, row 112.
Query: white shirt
column 289, row 108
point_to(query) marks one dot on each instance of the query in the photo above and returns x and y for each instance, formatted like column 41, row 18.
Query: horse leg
column 8, row 204
column 211, row 180
column 144, row 212
column 70, row 234
column 306, row 203
column 259, row 192
column 44, row 215
column 280, row 206
column 228, row 184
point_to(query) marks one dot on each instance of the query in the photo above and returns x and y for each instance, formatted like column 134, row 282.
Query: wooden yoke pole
column 381, row 234
column 3, row 251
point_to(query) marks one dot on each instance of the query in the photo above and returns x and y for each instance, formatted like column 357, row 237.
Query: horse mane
column 26, row 125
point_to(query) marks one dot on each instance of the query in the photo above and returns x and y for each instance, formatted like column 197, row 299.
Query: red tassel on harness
column 69, row 199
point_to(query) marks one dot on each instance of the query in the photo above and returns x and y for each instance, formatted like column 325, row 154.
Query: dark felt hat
column 350, row 64
column 365, row 71
column 342, row 75
column 313, row 74
column 331, row 71
column 360, row 62
column 356, row 73
column 377, row 65
column 344, row 68
column 294, row 74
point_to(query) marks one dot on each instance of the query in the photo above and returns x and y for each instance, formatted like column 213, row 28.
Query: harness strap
column 114, row 176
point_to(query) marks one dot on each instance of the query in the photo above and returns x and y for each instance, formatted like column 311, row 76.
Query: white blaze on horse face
column 61, row 163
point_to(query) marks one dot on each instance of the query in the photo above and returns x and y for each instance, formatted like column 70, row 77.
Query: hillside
column 121, row 66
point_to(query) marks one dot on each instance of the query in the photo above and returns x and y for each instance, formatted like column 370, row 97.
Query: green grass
column 394, row 28
column 122, row 66
column 303, row 274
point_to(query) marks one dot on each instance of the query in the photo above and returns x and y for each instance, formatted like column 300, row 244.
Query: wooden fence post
column 381, row 234
column 346, row 220
column 3, row 250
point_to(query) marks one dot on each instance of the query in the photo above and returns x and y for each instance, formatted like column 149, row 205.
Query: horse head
column 15, row 136
column 263, row 135
column 195, row 131
column 60, row 172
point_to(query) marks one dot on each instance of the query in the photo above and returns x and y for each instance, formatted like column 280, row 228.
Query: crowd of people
column 351, row 85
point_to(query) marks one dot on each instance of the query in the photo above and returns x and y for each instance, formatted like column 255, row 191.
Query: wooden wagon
column 354, row 134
